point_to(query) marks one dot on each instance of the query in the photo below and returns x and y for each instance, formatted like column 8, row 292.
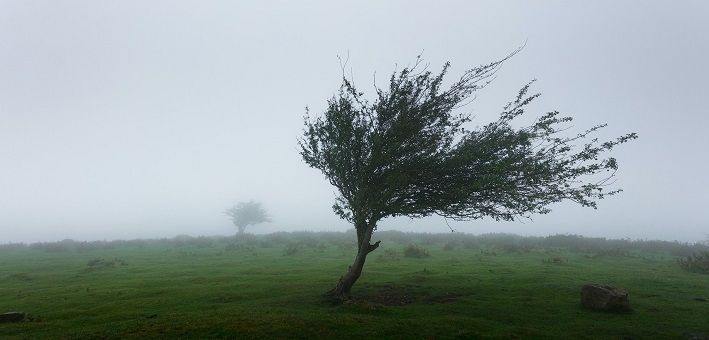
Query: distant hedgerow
column 612, row 252
column 12, row 246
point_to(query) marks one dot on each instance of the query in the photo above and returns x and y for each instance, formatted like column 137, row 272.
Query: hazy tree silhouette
column 248, row 213
column 411, row 153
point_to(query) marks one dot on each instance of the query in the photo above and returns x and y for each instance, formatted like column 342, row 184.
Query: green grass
column 205, row 288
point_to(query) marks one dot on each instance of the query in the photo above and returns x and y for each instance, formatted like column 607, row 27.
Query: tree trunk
column 342, row 289
column 241, row 230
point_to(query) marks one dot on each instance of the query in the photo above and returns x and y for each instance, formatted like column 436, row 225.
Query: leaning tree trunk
column 364, row 235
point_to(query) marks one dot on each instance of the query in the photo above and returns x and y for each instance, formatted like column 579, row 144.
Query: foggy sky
column 141, row 119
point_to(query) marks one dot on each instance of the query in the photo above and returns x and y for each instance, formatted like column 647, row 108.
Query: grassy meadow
column 434, row 286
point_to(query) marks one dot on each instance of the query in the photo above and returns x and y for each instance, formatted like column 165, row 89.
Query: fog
column 143, row 119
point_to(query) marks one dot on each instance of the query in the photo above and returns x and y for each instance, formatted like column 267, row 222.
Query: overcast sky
column 141, row 119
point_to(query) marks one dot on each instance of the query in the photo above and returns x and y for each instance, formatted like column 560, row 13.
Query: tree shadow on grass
column 390, row 294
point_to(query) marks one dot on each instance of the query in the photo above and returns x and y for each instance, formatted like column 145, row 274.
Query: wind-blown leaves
column 408, row 153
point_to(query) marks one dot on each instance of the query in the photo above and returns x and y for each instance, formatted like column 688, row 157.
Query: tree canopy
column 411, row 152
column 248, row 213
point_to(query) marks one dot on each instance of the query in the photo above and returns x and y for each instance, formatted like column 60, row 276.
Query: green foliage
column 408, row 153
column 698, row 263
column 248, row 213
column 411, row 153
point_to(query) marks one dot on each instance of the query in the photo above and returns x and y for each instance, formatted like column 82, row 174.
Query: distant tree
column 248, row 213
column 409, row 154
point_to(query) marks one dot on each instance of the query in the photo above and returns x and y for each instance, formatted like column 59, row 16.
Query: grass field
column 270, row 286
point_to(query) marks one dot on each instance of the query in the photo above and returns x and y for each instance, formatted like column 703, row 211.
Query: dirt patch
column 397, row 295
column 390, row 295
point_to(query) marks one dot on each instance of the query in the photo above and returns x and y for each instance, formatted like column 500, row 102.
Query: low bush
column 488, row 252
column 290, row 249
column 516, row 248
column 555, row 259
column 389, row 254
column 415, row 251
column 698, row 263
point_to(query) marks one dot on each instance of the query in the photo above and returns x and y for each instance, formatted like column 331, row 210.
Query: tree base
column 336, row 299
column 338, row 293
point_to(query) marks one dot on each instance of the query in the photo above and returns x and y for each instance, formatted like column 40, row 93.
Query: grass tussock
column 98, row 263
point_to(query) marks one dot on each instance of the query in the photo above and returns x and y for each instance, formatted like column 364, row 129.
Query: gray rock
column 605, row 298
column 11, row 317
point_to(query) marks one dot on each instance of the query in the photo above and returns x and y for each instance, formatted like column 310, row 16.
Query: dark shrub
column 515, row 248
column 555, row 259
column 290, row 249
column 389, row 254
column 96, row 262
column 698, row 263
column 415, row 251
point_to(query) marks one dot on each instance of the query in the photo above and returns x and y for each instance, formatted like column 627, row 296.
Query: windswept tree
column 248, row 213
column 411, row 153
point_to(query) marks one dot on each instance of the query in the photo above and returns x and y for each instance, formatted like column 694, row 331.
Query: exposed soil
column 397, row 295
column 390, row 295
